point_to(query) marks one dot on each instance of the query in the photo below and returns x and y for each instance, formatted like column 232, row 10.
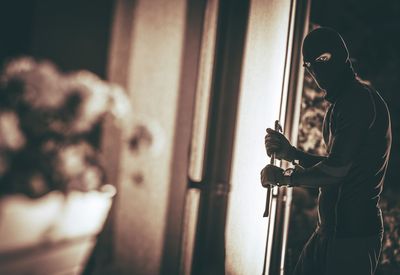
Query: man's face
column 325, row 55
column 322, row 69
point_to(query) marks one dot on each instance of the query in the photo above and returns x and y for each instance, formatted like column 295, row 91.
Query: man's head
column 326, row 57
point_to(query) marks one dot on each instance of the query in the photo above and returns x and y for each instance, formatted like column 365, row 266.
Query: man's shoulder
column 357, row 104
column 357, row 98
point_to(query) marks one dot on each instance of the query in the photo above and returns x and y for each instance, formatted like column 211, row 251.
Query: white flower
column 17, row 67
column 44, row 87
column 92, row 178
column 72, row 159
column 120, row 107
column 95, row 98
column 41, row 82
column 11, row 137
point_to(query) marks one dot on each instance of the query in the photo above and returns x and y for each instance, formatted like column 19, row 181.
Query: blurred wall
column 146, row 57
column 15, row 28
column 73, row 34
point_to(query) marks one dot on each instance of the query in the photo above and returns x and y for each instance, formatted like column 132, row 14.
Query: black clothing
column 327, row 255
column 357, row 134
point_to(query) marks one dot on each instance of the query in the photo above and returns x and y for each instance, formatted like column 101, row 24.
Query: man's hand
column 272, row 175
column 277, row 143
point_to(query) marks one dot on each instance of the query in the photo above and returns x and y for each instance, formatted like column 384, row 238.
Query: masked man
column 357, row 134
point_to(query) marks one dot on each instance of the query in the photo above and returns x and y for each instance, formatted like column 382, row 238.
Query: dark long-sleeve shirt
column 357, row 133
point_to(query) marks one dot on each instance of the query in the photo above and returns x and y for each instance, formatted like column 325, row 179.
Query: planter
column 53, row 234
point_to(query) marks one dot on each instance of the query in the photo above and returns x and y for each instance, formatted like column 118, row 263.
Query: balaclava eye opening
column 327, row 58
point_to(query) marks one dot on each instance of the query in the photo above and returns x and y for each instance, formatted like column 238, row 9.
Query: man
column 357, row 133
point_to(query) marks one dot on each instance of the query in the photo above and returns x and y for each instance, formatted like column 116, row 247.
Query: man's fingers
column 273, row 144
column 274, row 135
column 263, row 178
column 272, row 138
column 273, row 147
column 270, row 131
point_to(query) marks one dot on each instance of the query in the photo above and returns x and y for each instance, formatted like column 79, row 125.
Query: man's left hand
column 272, row 175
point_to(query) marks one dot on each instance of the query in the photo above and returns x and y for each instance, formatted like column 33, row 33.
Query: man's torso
column 351, row 208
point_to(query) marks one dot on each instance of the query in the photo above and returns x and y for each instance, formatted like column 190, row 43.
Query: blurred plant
column 50, row 127
column 390, row 256
column 304, row 205
column 313, row 109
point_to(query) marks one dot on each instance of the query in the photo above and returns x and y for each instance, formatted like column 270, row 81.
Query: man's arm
column 307, row 160
column 352, row 126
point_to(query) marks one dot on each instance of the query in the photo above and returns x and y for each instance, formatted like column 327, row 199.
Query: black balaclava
column 326, row 57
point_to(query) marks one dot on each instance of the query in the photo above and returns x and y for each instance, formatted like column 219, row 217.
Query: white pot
column 32, row 228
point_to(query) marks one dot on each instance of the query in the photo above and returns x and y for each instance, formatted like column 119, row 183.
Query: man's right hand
column 277, row 143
